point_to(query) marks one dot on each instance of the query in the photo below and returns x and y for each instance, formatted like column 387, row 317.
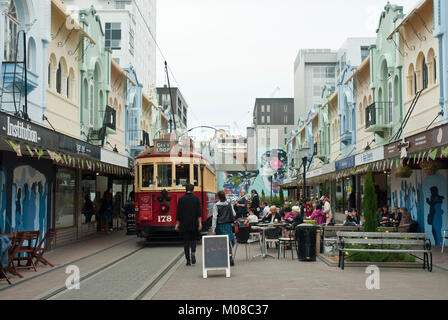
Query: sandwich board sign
column 215, row 254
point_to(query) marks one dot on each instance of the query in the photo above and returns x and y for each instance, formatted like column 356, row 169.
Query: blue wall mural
column 226, row 181
column 425, row 197
column 29, row 199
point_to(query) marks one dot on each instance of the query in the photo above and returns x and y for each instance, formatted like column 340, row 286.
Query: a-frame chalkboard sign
column 215, row 254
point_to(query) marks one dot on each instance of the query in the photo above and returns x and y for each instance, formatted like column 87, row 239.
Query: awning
column 62, row 10
column 407, row 18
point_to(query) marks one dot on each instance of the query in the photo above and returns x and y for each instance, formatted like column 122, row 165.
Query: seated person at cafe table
column 251, row 219
column 272, row 216
column 286, row 209
column 318, row 215
column 396, row 217
column 385, row 217
column 264, row 210
column 352, row 218
column 289, row 217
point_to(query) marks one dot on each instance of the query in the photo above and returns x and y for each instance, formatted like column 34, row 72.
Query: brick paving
column 288, row 279
column 93, row 252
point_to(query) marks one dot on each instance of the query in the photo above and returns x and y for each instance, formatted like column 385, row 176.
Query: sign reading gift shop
column 346, row 163
column 28, row 132
column 370, row 156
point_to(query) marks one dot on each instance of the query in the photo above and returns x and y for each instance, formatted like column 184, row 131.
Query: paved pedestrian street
column 285, row 279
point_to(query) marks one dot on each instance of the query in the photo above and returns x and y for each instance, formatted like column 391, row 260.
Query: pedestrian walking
column 327, row 210
column 189, row 222
column 87, row 210
column 223, row 217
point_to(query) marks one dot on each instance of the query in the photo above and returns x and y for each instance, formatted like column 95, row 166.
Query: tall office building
column 314, row 69
column 129, row 27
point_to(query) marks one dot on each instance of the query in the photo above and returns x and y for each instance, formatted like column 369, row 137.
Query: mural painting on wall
column 29, row 200
column 234, row 182
column 273, row 164
column 2, row 199
column 425, row 197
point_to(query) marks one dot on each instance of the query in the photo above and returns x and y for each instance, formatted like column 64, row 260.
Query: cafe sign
column 345, row 163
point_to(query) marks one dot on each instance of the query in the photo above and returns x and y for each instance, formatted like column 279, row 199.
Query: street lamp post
column 304, row 152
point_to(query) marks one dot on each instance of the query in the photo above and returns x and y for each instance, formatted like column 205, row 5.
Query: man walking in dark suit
column 189, row 222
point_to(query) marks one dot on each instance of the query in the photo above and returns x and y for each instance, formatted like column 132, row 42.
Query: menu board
column 215, row 253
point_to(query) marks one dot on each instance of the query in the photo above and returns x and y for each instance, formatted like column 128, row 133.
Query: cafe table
column 264, row 227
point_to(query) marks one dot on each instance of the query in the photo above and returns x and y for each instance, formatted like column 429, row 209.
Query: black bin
column 306, row 238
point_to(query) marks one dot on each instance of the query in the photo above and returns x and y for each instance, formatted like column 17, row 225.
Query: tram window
column 148, row 176
column 182, row 174
column 196, row 175
column 164, row 175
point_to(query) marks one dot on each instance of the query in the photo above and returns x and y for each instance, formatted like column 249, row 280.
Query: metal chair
column 273, row 235
column 242, row 237
column 445, row 238
column 290, row 239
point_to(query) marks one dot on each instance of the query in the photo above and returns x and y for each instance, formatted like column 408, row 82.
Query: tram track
column 98, row 277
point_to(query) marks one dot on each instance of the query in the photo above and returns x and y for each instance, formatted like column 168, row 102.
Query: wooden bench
column 386, row 239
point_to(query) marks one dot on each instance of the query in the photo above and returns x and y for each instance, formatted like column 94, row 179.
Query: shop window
column 182, row 175
column 148, row 176
column 65, row 198
column 164, row 175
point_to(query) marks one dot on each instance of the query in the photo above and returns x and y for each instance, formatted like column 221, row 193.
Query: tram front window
column 182, row 175
column 148, row 176
column 196, row 175
column 164, row 175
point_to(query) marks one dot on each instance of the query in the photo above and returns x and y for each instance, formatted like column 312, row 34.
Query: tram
column 161, row 174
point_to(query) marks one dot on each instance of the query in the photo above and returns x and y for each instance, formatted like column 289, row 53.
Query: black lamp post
column 304, row 152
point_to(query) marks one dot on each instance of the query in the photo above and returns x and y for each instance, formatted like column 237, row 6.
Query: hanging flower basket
column 403, row 172
column 430, row 168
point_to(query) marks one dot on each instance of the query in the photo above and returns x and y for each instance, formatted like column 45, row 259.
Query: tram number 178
column 164, row 219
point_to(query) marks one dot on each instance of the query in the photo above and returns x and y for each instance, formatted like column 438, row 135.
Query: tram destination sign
column 163, row 147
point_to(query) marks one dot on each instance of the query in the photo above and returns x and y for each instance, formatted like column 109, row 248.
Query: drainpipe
column 442, row 77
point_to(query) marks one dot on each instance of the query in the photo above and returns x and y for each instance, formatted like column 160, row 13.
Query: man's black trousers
column 190, row 240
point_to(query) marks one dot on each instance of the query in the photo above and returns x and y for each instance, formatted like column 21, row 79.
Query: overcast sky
column 226, row 53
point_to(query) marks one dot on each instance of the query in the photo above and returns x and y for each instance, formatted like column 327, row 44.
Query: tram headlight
column 164, row 208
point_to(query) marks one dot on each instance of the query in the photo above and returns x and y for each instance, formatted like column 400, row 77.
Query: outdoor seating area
column 22, row 250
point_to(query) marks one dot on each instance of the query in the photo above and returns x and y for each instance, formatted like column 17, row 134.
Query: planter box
column 334, row 263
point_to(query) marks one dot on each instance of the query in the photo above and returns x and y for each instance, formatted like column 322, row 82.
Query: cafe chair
column 444, row 239
column 242, row 237
column 289, row 240
column 16, row 243
column 272, row 236
column 43, row 246
column 28, row 249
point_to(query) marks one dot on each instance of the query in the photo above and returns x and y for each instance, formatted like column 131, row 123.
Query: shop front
column 44, row 178
column 419, row 179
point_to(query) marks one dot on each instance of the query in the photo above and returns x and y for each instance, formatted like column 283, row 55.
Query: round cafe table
column 263, row 227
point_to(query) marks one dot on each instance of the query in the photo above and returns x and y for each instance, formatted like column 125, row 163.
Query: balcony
column 110, row 119
column 379, row 118
column 323, row 152
column 14, row 73
column 138, row 138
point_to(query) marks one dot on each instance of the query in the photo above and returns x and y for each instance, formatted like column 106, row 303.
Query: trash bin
column 306, row 238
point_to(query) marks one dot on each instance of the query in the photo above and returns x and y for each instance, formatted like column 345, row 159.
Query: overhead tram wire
column 163, row 56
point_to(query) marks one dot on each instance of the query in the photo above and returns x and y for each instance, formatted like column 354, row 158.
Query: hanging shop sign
column 345, row 163
column 369, row 156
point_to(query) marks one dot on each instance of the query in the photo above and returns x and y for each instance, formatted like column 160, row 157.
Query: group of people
column 104, row 208
column 399, row 217
column 225, row 213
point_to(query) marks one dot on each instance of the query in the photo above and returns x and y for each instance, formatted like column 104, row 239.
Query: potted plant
column 403, row 172
column 430, row 168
